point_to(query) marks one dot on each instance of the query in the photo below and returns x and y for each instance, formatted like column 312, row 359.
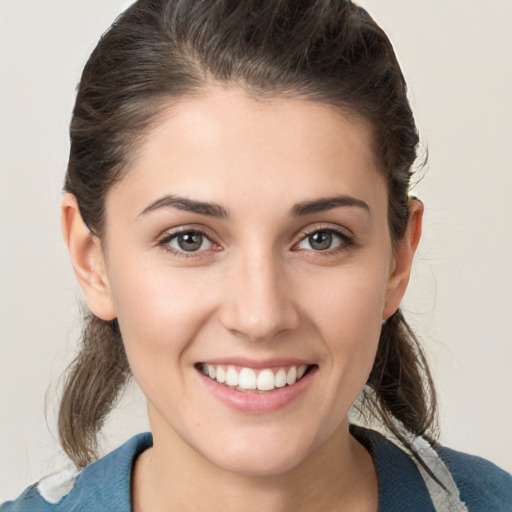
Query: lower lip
column 257, row 402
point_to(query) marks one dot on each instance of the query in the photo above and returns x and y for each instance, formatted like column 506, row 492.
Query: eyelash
column 168, row 237
column 346, row 241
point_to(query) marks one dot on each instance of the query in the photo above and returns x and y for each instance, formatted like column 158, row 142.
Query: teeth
column 220, row 375
column 231, row 377
column 266, row 380
column 280, row 378
column 247, row 379
column 301, row 370
column 291, row 376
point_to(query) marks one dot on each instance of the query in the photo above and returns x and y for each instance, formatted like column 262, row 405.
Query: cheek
column 348, row 305
column 159, row 312
column 348, row 315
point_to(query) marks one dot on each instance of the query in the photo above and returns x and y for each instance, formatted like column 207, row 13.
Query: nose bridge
column 260, row 303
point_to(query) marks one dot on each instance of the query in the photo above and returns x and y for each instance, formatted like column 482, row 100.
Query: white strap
column 446, row 499
column 54, row 487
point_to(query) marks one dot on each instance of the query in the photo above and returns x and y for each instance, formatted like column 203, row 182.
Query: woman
column 237, row 214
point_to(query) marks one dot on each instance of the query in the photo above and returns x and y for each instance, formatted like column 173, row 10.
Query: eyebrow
column 328, row 203
column 217, row 211
column 189, row 205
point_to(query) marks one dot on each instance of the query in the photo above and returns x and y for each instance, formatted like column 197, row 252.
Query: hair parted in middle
column 161, row 51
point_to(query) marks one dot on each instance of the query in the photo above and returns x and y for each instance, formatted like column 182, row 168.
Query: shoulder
column 30, row 500
column 43, row 496
column 401, row 486
column 482, row 485
column 439, row 479
column 104, row 485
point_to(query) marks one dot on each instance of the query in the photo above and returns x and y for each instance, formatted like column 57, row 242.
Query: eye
column 187, row 241
column 324, row 240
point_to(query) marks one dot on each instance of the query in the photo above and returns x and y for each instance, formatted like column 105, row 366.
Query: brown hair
column 159, row 51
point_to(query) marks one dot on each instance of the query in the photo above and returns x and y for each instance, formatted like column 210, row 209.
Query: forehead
column 230, row 147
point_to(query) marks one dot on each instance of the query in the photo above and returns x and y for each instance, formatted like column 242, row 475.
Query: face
column 248, row 247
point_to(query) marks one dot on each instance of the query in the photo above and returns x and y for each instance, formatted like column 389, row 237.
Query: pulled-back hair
column 161, row 51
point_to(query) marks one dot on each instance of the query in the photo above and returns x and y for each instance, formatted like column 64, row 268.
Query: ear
column 87, row 260
column 402, row 260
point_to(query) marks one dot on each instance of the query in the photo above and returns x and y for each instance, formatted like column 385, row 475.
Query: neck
column 338, row 476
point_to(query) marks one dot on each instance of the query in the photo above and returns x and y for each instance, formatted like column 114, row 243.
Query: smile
column 254, row 380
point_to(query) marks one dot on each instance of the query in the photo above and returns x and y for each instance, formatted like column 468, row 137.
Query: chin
column 269, row 466
column 260, row 458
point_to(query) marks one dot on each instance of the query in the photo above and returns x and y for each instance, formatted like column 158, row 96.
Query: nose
column 259, row 302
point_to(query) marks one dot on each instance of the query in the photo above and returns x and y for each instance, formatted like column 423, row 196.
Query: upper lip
column 258, row 363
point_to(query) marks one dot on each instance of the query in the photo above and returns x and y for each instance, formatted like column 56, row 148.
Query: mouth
column 255, row 380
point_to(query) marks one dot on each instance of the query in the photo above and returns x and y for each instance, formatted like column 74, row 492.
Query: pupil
column 321, row 240
column 190, row 241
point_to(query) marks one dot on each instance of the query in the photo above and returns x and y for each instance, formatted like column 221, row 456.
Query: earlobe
column 87, row 260
column 403, row 257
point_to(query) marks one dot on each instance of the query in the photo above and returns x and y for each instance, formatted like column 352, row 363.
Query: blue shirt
column 104, row 486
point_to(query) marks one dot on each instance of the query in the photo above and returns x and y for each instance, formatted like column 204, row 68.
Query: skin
column 260, row 290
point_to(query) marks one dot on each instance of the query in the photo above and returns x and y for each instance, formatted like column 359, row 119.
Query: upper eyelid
column 331, row 229
column 305, row 232
column 164, row 242
column 345, row 238
column 169, row 234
